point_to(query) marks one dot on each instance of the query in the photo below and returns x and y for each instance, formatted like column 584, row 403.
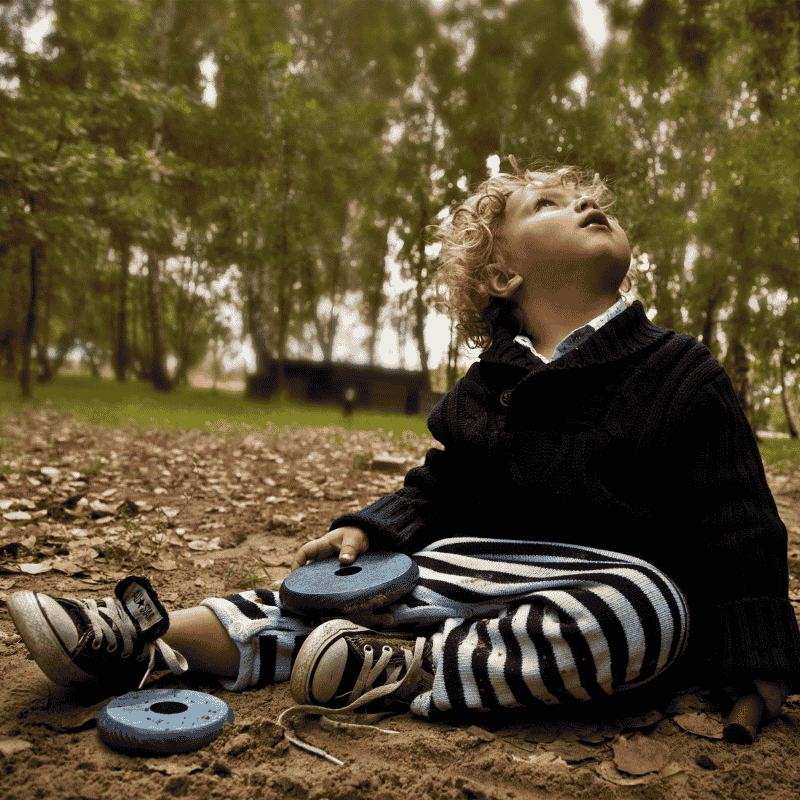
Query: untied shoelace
column 402, row 687
column 121, row 624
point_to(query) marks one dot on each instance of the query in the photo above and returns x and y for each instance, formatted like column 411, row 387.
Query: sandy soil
column 203, row 507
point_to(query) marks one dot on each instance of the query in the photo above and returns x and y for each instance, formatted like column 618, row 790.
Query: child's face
column 554, row 236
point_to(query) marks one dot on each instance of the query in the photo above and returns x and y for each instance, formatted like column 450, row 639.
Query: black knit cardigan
column 635, row 442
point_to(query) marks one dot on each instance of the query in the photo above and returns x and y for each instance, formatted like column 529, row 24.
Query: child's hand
column 349, row 542
column 774, row 696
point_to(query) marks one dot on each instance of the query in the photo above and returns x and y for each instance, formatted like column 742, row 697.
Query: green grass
column 782, row 454
column 107, row 402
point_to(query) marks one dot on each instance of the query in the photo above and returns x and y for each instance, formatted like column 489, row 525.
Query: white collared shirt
column 578, row 335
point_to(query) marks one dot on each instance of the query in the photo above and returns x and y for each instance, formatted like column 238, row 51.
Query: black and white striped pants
column 512, row 623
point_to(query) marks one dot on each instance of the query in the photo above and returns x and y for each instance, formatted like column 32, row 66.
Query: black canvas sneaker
column 343, row 666
column 78, row 641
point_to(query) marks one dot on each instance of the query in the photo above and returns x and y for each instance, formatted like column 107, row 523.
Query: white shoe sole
column 42, row 640
column 313, row 649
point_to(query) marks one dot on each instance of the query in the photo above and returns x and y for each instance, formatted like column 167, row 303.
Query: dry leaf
column 540, row 758
column 673, row 768
column 36, row 569
column 383, row 462
column 480, row 733
column 641, row 721
column 202, row 544
column 10, row 747
column 685, row 704
column 100, row 509
column 164, row 566
column 639, row 755
column 571, row 753
column 700, row 725
column 609, row 772
column 67, row 567
column 17, row 516
column 169, row 512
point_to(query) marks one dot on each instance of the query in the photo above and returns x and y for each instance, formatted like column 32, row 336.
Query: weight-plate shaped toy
column 371, row 581
column 162, row 721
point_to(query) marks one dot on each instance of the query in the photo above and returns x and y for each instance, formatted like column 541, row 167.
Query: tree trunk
column 8, row 337
column 121, row 354
column 784, row 402
column 158, row 371
column 374, row 298
column 284, row 279
column 452, row 357
column 258, row 384
column 45, row 372
column 421, row 283
column 36, row 258
column 707, row 335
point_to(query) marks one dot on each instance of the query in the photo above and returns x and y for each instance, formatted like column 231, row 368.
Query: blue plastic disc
column 162, row 721
column 374, row 579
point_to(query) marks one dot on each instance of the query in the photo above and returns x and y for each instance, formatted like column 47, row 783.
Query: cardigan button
column 505, row 397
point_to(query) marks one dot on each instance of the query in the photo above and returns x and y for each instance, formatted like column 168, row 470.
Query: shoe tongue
column 141, row 602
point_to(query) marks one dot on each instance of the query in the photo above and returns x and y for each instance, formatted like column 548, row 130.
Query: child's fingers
column 353, row 544
column 773, row 694
column 311, row 551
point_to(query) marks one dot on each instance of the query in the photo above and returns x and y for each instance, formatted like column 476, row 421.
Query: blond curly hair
column 472, row 249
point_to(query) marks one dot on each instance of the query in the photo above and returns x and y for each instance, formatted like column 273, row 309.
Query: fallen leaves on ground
column 701, row 725
column 83, row 500
column 91, row 503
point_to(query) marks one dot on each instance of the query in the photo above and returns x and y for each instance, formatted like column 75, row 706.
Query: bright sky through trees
column 591, row 18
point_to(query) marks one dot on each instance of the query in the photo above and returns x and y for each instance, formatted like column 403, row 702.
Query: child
column 599, row 489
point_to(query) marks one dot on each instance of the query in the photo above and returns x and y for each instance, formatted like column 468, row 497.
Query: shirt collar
column 578, row 335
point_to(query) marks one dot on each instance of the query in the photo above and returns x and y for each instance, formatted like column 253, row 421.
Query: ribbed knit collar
column 621, row 336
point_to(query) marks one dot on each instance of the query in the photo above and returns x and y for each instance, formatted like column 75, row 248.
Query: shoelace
column 402, row 687
column 121, row 624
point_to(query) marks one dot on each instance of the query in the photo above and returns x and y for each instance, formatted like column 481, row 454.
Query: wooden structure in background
column 375, row 387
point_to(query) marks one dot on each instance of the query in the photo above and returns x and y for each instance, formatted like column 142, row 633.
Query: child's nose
column 582, row 203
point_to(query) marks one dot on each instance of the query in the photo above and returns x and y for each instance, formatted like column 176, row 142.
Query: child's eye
column 542, row 200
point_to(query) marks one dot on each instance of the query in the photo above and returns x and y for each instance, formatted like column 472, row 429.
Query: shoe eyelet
column 111, row 649
column 386, row 647
column 97, row 644
column 367, row 647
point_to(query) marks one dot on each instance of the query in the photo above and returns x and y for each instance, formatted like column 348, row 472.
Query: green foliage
column 781, row 454
column 248, row 576
column 339, row 124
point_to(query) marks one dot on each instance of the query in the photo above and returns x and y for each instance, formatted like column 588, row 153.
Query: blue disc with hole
column 371, row 581
column 162, row 721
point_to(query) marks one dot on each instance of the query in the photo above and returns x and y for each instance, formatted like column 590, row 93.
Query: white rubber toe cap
column 329, row 671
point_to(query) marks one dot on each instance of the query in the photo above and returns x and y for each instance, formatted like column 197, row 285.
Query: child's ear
column 504, row 284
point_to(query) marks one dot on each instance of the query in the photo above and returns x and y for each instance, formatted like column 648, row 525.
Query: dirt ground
column 208, row 513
